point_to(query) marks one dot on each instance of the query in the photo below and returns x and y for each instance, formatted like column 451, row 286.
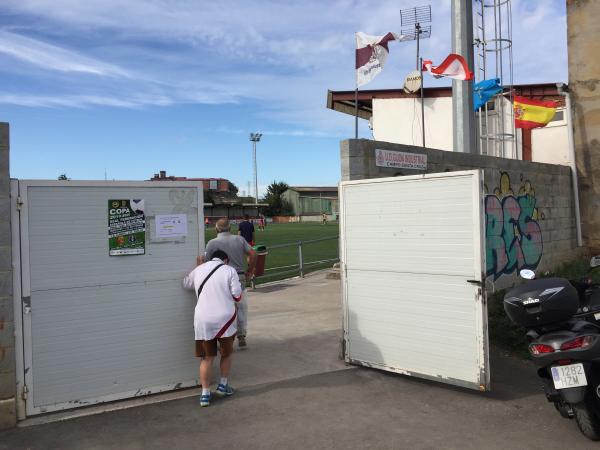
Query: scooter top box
column 541, row 302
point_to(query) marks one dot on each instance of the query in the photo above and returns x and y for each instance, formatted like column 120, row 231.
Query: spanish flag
column 532, row 113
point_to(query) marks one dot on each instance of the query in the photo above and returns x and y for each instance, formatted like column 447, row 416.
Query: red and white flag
column 454, row 66
column 371, row 54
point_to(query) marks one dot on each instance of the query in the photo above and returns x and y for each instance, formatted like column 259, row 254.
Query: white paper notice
column 171, row 225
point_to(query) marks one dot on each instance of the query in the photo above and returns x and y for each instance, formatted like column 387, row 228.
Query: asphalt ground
column 294, row 393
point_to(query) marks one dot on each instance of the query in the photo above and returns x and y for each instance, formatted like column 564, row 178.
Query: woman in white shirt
column 218, row 289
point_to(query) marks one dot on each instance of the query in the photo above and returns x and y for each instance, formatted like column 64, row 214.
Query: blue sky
column 143, row 85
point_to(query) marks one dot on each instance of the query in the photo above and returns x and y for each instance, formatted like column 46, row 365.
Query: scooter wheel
column 587, row 420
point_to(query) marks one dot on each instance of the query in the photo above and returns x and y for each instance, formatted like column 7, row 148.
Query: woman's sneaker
column 205, row 400
column 224, row 390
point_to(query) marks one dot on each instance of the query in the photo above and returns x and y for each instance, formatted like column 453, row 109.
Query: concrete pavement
column 294, row 393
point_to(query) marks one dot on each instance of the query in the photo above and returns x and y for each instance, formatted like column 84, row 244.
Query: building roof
column 344, row 101
column 162, row 176
column 314, row 188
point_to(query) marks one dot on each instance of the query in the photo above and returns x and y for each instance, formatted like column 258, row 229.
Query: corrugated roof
column 314, row 188
column 344, row 101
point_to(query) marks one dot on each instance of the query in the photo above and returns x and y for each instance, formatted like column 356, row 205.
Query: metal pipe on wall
column 422, row 103
column 573, row 163
column 463, row 117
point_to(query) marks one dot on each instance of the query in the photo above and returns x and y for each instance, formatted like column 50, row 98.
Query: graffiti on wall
column 513, row 233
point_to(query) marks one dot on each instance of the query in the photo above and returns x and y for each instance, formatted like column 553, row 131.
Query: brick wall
column 530, row 221
column 7, row 342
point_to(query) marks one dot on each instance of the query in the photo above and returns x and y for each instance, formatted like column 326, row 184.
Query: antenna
column 412, row 22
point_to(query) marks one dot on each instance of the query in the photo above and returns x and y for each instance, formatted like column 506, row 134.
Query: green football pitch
column 282, row 262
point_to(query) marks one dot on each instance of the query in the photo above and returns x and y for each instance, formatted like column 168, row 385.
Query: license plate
column 569, row 376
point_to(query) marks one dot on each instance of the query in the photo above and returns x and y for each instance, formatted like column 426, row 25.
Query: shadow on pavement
column 271, row 288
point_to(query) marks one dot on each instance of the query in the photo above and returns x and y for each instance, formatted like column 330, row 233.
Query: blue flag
column 484, row 91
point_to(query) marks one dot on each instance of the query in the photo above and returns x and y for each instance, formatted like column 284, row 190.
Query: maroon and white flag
column 454, row 66
column 371, row 55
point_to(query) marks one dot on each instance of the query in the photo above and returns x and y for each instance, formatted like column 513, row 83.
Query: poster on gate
column 126, row 227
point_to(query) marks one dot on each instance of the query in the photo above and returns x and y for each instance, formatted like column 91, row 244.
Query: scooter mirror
column 595, row 261
column 527, row 274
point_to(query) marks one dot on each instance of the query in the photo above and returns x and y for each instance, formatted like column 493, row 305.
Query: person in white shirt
column 218, row 289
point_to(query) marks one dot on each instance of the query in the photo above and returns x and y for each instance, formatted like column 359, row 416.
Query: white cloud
column 51, row 57
column 282, row 56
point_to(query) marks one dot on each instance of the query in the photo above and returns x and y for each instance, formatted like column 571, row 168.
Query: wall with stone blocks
column 583, row 40
column 7, row 340
column 529, row 212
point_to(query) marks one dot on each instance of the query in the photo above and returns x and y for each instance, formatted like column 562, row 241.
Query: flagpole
column 356, row 90
column 356, row 112
column 422, row 103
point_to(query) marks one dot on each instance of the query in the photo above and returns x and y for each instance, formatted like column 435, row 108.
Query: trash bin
column 261, row 256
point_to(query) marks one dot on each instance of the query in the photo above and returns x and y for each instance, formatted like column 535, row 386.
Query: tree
column 277, row 205
column 232, row 188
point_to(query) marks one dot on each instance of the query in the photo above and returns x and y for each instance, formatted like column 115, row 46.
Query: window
column 559, row 116
column 212, row 185
column 559, row 119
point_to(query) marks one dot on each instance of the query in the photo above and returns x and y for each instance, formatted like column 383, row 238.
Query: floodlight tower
column 254, row 138
column 411, row 23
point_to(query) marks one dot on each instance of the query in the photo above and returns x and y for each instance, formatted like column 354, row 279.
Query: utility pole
column 463, row 116
column 255, row 137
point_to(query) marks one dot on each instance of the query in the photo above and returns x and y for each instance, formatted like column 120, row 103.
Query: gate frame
column 479, row 268
column 22, row 287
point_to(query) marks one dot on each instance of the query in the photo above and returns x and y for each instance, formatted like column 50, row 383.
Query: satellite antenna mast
column 416, row 24
column 412, row 22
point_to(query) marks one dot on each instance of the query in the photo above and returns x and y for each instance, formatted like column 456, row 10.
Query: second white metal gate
column 412, row 253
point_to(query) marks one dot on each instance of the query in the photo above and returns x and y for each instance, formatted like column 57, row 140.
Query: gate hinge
column 20, row 203
column 24, row 392
column 26, row 304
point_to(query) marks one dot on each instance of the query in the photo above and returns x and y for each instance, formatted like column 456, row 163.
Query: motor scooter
column 562, row 319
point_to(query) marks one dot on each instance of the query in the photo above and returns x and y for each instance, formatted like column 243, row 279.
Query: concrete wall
column 551, row 143
column 399, row 120
column 530, row 220
column 7, row 341
column 583, row 40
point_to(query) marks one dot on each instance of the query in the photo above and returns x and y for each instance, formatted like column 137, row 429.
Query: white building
column 395, row 116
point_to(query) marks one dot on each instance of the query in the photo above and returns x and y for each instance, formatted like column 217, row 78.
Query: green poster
column 126, row 227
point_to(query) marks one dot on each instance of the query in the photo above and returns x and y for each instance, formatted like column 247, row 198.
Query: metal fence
column 299, row 258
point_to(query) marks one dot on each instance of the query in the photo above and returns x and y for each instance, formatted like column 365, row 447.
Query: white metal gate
column 95, row 327
column 413, row 263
